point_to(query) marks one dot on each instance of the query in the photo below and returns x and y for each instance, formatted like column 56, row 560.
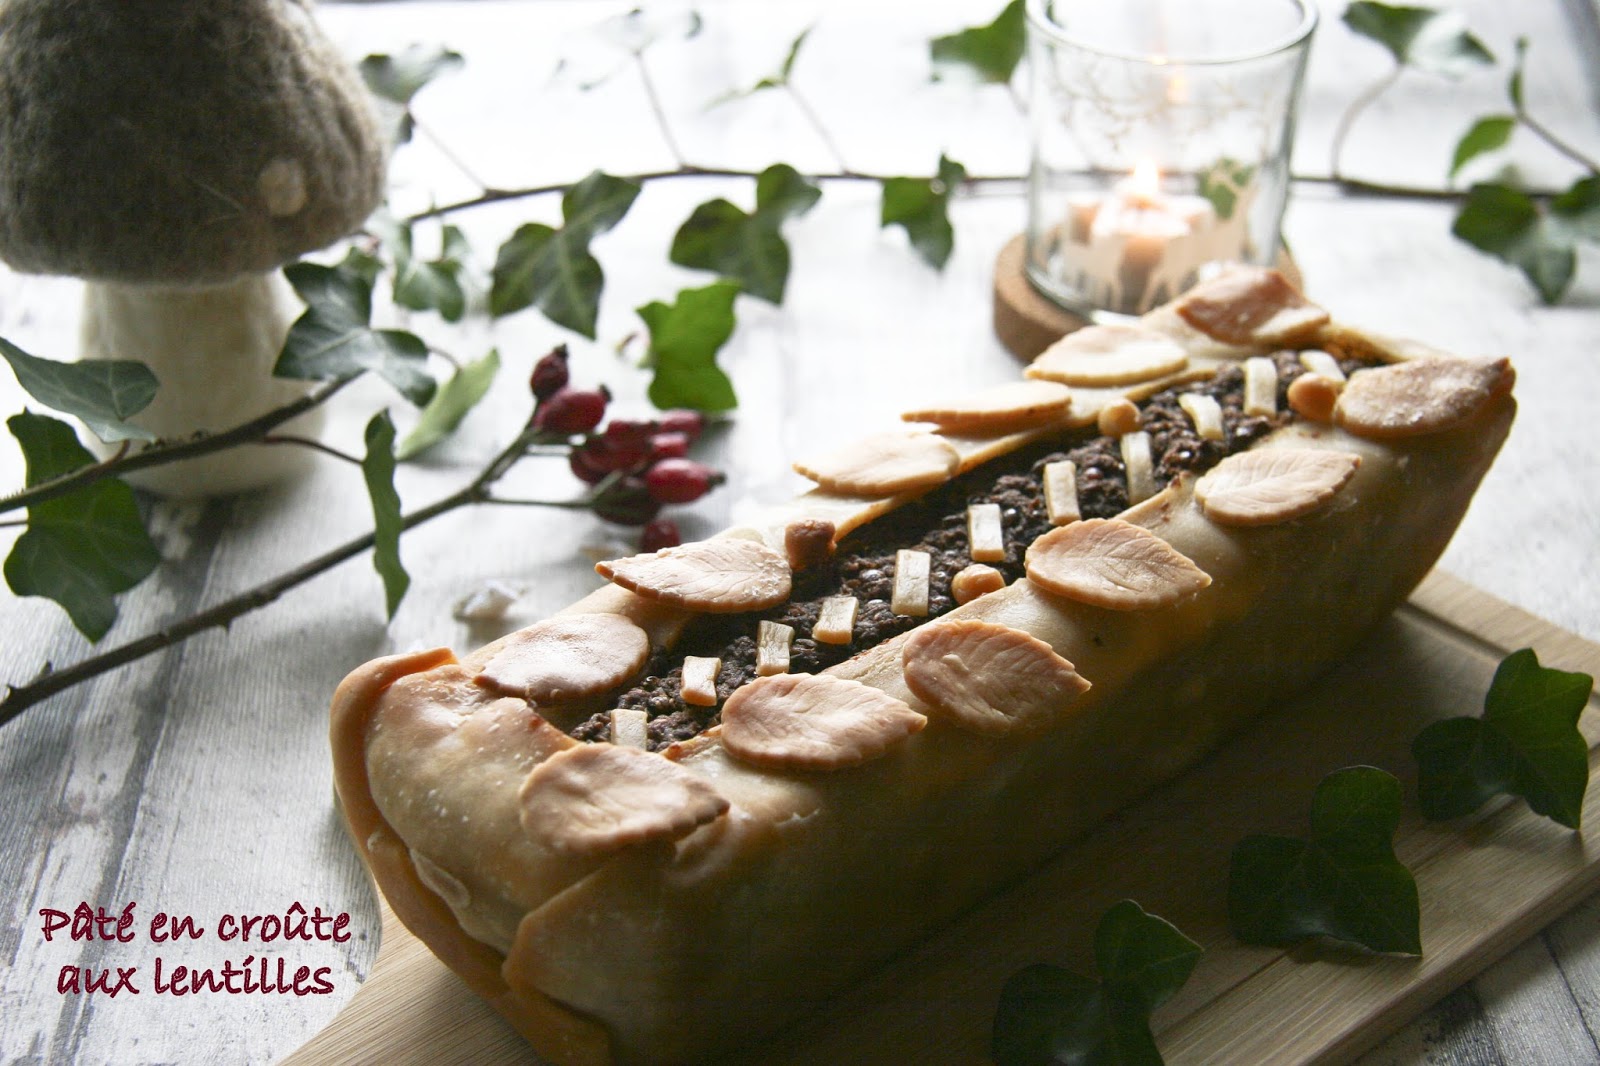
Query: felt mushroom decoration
column 175, row 153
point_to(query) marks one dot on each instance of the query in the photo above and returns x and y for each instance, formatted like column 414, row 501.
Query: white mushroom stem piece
column 212, row 348
column 176, row 155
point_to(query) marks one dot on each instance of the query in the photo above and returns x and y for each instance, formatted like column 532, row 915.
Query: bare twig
column 821, row 129
column 1548, row 136
column 19, row 698
column 656, row 109
column 1351, row 113
column 308, row 442
column 164, row 452
column 449, row 153
column 691, row 170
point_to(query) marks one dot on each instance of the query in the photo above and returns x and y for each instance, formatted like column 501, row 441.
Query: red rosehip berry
column 680, row 480
column 661, row 533
column 627, row 442
column 572, row 411
column 589, row 462
column 549, row 374
column 627, row 503
column 682, row 420
column 668, row 446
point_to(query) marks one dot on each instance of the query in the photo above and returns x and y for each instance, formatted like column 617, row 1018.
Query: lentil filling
column 863, row 565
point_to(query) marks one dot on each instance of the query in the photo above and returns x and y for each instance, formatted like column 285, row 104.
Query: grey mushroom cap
column 177, row 142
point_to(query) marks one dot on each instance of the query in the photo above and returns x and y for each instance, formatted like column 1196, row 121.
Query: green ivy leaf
column 1222, row 183
column 398, row 78
column 1435, row 40
column 101, row 392
column 431, row 285
column 630, row 34
column 83, row 548
column 921, row 206
column 782, row 193
column 684, row 339
column 1526, row 744
column 776, row 80
column 1507, row 224
column 748, row 248
column 450, row 405
column 1514, row 83
column 1488, row 134
column 1048, row 1014
column 552, row 268
column 637, row 30
column 377, row 466
column 363, row 265
column 1344, row 882
column 333, row 338
column 1577, row 211
column 991, row 52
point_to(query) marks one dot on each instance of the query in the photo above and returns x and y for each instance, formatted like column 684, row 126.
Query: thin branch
column 507, row 501
column 161, row 453
column 449, row 154
column 1016, row 98
column 1351, row 113
column 308, row 442
column 13, row 523
column 1549, row 137
column 691, row 170
column 1381, row 191
column 656, row 109
column 19, row 698
column 817, row 124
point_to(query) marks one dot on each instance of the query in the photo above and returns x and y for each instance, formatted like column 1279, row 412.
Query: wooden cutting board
column 1486, row 884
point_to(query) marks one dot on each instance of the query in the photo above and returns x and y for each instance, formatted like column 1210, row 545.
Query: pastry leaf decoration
column 990, row 52
column 83, row 548
column 334, row 337
column 1048, row 1014
column 552, row 268
column 1343, row 882
column 1525, row 744
column 377, row 467
column 922, row 207
column 450, row 405
column 104, row 393
column 1435, row 40
column 684, row 339
column 748, row 247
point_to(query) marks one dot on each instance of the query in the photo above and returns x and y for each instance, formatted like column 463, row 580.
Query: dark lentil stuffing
column 863, row 565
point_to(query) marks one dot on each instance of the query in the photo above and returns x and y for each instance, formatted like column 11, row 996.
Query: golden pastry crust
column 676, row 951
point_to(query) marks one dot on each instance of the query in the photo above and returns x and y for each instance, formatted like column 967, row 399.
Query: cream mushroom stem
column 212, row 348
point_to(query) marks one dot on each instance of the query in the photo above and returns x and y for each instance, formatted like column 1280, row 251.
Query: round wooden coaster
column 1027, row 322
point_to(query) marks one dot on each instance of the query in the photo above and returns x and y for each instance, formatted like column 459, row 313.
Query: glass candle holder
column 1161, row 138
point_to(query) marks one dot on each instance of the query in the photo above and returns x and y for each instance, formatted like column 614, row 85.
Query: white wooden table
column 197, row 780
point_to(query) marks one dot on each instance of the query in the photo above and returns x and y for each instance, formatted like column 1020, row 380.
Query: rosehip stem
column 583, row 504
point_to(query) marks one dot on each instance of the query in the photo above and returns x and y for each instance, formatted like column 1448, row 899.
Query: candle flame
column 1177, row 88
column 1145, row 181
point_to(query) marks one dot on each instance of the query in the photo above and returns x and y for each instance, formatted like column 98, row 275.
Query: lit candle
column 1138, row 246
